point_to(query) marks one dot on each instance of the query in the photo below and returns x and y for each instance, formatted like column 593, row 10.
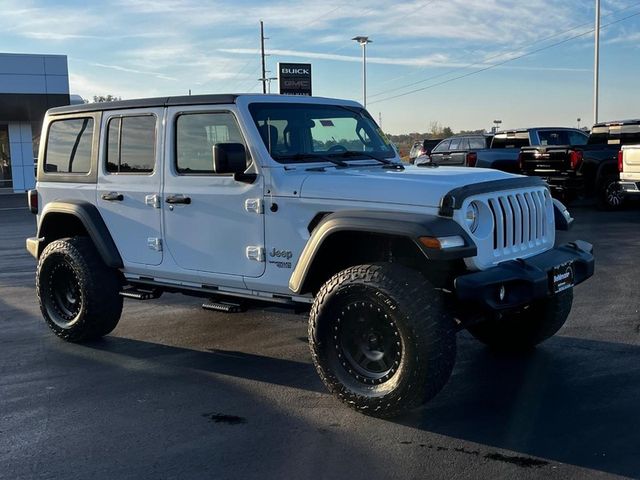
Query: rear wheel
column 381, row 338
column 610, row 195
column 527, row 328
column 78, row 294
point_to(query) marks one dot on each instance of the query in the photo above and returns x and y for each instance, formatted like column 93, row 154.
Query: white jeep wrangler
column 247, row 199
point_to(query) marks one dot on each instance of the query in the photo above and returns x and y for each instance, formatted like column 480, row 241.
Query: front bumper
column 629, row 188
column 524, row 280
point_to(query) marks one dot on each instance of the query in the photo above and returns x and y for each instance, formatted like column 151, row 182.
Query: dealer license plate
column 562, row 277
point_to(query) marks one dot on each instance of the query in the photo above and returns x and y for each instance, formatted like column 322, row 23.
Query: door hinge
column 152, row 201
column 253, row 205
column 255, row 253
column 154, row 243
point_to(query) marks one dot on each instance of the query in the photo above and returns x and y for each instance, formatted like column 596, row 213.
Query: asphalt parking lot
column 178, row 392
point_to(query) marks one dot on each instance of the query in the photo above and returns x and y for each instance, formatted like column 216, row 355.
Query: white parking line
column 12, row 208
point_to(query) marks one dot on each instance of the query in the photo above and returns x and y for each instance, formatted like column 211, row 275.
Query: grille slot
column 520, row 221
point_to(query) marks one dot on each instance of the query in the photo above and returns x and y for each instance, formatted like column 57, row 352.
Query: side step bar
column 225, row 307
column 136, row 294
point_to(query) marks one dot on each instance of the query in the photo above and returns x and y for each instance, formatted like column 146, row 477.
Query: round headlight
column 471, row 217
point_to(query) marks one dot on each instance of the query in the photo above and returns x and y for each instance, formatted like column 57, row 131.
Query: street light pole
column 596, row 64
column 362, row 40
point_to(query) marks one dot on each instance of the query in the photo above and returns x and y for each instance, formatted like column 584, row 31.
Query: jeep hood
column 422, row 186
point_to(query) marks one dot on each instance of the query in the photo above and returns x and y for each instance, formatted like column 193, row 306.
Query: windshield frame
column 370, row 127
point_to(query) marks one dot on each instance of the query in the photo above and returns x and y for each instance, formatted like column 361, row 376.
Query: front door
column 212, row 223
column 129, row 181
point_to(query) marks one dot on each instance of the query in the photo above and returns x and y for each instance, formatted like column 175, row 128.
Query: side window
column 464, row 144
column 197, row 133
column 131, row 144
column 577, row 138
column 476, row 143
column 442, row 147
column 455, row 144
column 69, row 145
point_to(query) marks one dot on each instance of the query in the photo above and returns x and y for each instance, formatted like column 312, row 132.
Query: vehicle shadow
column 571, row 400
column 277, row 371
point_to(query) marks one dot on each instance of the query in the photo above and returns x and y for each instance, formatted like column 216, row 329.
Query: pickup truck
column 577, row 170
column 629, row 166
column 505, row 147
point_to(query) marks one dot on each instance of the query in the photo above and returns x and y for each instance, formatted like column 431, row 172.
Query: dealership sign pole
column 596, row 64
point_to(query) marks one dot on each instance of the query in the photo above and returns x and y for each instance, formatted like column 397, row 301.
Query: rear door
column 129, row 178
column 441, row 152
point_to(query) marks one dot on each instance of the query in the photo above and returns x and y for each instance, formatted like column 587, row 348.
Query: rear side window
column 131, row 144
column 69, row 146
column 442, row 146
column 197, row 133
column 476, row 143
column 455, row 143
column 517, row 140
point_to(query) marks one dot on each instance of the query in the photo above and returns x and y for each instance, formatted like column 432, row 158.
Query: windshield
column 295, row 132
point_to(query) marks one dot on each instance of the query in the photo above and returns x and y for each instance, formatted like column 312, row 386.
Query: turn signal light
column 442, row 243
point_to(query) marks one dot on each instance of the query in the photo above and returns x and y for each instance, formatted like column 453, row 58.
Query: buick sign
column 294, row 78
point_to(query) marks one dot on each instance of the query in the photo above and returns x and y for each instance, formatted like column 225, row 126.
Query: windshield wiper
column 306, row 156
column 354, row 153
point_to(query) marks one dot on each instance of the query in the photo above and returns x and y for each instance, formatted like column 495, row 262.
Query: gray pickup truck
column 505, row 147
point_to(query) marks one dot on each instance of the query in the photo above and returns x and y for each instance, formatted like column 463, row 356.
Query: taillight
column 620, row 161
column 32, row 197
column 472, row 159
column 575, row 159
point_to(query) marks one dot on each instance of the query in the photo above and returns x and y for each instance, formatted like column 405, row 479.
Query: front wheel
column 525, row 329
column 381, row 338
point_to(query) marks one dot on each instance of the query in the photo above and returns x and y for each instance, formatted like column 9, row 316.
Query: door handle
column 113, row 197
column 178, row 199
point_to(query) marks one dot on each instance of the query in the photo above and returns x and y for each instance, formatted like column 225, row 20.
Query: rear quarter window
column 69, row 146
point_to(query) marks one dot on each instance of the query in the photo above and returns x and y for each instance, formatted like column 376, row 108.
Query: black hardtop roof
column 634, row 121
column 219, row 99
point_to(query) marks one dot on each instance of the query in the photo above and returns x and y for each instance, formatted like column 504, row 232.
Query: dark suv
column 454, row 150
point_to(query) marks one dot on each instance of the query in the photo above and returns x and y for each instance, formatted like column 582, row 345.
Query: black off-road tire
column 78, row 294
column 524, row 330
column 401, row 302
column 610, row 196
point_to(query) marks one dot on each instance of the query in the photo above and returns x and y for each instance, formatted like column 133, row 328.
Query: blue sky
column 142, row 48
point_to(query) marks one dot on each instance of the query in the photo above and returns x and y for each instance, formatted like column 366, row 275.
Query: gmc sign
column 294, row 78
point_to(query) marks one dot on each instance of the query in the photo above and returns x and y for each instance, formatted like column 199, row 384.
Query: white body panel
column 630, row 163
column 205, row 242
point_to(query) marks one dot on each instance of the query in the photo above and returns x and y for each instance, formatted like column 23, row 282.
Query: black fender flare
column 93, row 223
column 399, row 224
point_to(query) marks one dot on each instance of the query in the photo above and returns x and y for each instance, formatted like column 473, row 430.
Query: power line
column 505, row 61
column 484, row 61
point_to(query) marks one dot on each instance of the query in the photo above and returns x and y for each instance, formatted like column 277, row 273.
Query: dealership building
column 29, row 85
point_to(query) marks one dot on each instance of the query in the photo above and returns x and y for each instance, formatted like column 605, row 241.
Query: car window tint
column 464, row 144
column 131, row 144
column 455, row 144
column 476, row 143
column 196, row 135
column 69, row 146
column 442, row 146
column 577, row 138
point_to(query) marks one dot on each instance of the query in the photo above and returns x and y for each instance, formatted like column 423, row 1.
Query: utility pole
column 596, row 64
column 362, row 40
column 264, row 70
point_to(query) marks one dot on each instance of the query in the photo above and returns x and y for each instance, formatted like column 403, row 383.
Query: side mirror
column 229, row 158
